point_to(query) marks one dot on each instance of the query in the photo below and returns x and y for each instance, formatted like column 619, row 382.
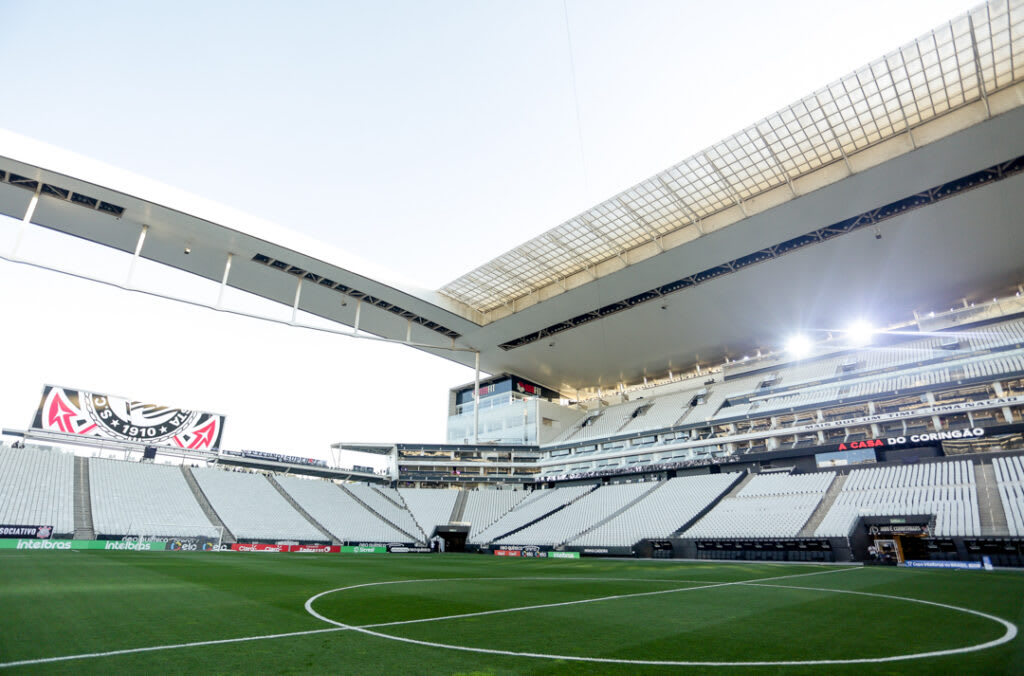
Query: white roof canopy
column 969, row 59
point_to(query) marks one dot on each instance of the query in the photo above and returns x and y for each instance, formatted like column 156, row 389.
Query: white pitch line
column 556, row 605
column 196, row 644
column 536, row 607
column 1009, row 635
column 173, row 646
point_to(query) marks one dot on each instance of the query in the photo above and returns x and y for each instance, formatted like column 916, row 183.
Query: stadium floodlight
column 798, row 345
column 859, row 332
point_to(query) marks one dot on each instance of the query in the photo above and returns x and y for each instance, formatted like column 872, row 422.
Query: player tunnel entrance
column 891, row 540
column 453, row 537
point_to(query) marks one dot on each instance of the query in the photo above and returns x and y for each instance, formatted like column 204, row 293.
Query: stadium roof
column 924, row 146
column 966, row 60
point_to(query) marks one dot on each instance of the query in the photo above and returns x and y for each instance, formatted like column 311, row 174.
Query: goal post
column 179, row 537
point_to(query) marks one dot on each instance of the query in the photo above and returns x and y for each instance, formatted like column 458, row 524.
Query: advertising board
column 14, row 531
column 318, row 549
column 115, row 545
column 966, row 565
column 363, row 549
column 563, row 555
column 258, row 547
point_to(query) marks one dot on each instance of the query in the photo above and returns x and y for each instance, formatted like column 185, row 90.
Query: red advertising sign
column 258, row 547
column 507, row 552
column 325, row 549
column 267, row 547
column 526, row 388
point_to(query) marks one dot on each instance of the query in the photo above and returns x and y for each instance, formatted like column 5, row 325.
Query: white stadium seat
column 1010, row 481
column 251, row 508
column 485, row 506
column 579, row 516
column 131, row 498
column 769, row 506
column 338, row 512
column 947, row 490
column 660, row 513
column 429, row 507
column 37, row 488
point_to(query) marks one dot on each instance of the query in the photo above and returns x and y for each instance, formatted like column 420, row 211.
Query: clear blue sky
column 426, row 137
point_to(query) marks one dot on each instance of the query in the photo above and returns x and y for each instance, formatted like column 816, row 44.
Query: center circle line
column 1009, row 634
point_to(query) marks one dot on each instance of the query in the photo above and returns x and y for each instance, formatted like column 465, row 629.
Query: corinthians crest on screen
column 101, row 415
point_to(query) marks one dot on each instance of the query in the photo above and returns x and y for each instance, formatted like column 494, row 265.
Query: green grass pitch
column 520, row 616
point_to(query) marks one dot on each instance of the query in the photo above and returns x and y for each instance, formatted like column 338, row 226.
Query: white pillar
column 224, row 280
column 295, row 305
column 476, row 399
column 135, row 259
column 27, row 219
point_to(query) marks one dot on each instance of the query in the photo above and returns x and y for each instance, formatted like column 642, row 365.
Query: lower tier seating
column 1010, row 480
column 947, row 490
column 251, row 507
column 131, row 498
column 338, row 512
column 661, row 512
column 581, row 515
column 37, row 488
column 537, row 505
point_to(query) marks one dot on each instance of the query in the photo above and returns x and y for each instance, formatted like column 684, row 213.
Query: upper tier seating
column 37, row 488
column 769, row 506
column 660, row 513
column 705, row 408
column 586, row 512
column 485, row 506
column 945, row 489
column 664, row 411
column 974, row 367
column 131, row 498
column 431, row 507
column 251, row 507
column 902, row 354
column 1010, row 480
column 844, row 376
column 539, row 503
column 338, row 512
column 603, row 422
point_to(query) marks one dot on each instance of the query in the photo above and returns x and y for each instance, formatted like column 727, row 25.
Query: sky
column 425, row 137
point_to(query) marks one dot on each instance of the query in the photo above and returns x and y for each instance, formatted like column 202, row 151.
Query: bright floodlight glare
column 859, row 332
column 798, row 345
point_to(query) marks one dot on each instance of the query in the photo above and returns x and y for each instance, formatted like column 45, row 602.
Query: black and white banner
column 38, row 532
column 107, row 416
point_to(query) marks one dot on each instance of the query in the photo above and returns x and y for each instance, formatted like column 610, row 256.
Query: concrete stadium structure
column 643, row 339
